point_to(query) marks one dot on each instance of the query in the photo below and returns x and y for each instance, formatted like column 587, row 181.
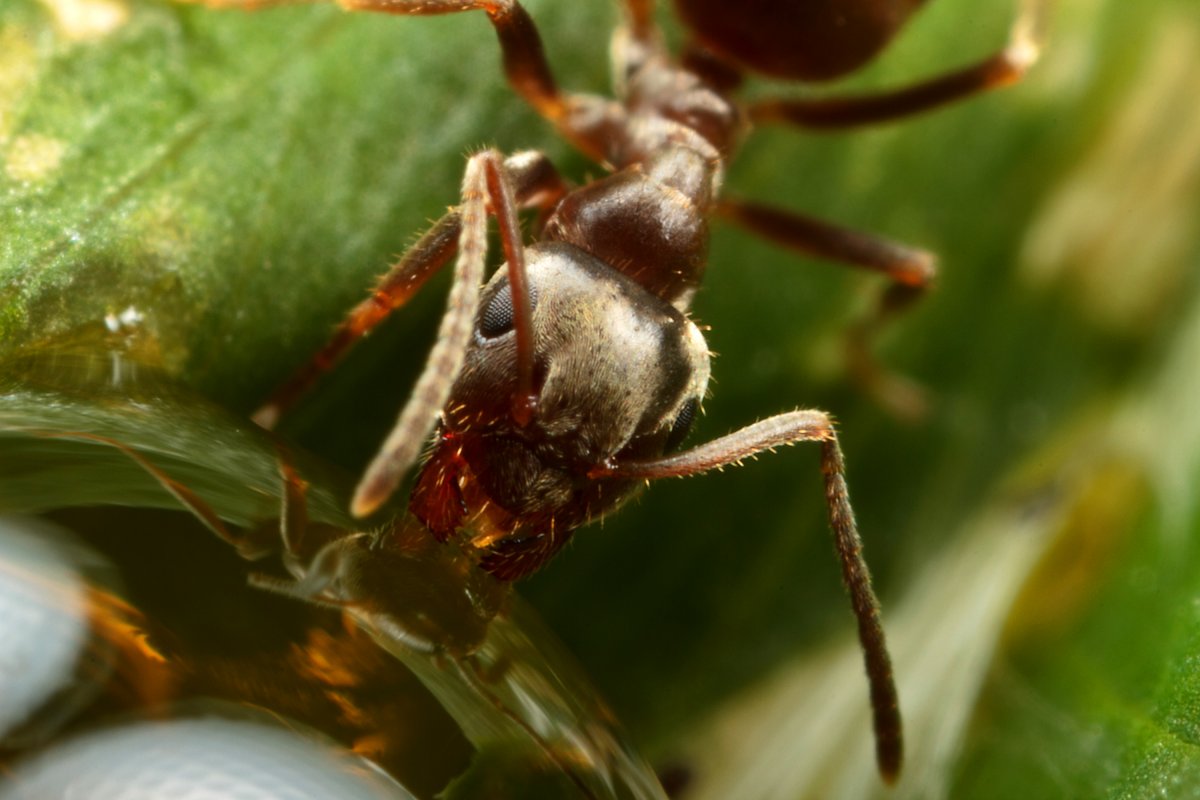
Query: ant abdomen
column 807, row 40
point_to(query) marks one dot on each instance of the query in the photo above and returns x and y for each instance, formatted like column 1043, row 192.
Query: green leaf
column 236, row 180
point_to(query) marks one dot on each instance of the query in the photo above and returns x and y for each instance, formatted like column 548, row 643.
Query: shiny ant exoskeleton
column 574, row 375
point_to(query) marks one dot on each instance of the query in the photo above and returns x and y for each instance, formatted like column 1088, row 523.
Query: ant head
column 616, row 368
column 813, row 40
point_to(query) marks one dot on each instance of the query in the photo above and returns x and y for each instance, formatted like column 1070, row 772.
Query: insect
column 411, row 599
column 574, row 375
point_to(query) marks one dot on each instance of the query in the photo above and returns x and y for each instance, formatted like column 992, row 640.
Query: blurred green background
column 221, row 186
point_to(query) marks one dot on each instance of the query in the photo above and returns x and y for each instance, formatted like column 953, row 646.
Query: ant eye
column 682, row 425
column 497, row 317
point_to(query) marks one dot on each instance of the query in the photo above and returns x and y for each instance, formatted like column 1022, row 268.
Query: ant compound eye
column 497, row 318
column 682, row 425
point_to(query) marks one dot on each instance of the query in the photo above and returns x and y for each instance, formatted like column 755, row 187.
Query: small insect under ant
column 575, row 374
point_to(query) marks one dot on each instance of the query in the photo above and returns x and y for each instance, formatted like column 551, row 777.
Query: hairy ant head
column 619, row 373
column 615, row 365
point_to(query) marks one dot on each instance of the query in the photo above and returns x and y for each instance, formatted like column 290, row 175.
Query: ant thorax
column 619, row 373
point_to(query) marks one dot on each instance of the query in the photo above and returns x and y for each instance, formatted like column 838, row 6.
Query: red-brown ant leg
column 786, row 429
column 911, row 271
column 586, row 121
column 392, row 291
column 537, row 185
column 640, row 18
column 908, row 266
column 485, row 185
column 524, row 57
column 900, row 395
column 997, row 70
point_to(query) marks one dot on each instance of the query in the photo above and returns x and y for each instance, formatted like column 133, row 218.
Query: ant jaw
column 524, row 408
column 603, row 470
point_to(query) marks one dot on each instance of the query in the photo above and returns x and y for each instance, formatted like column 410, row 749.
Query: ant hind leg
column 1000, row 69
column 910, row 270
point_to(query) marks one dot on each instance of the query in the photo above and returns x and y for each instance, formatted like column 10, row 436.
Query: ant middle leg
column 1000, row 69
column 524, row 57
column 586, row 121
column 910, row 270
column 787, row 429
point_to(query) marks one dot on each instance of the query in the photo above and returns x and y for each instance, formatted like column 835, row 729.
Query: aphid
column 575, row 374
column 426, row 604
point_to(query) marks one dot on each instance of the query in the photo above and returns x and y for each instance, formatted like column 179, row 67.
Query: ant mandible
column 575, row 374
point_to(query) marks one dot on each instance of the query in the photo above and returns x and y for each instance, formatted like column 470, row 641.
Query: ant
column 574, row 375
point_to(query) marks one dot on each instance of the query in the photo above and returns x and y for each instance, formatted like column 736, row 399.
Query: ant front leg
column 996, row 71
column 392, row 291
column 910, row 270
column 786, row 429
column 536, row 184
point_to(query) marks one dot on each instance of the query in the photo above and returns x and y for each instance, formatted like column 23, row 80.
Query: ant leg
column 525, row 62
column 586, row 121
column 319, row 571
column 485, row 185
column 640, row 18
column 911, row 271
column 904, row 265
column 392, row 291
column 536, row 184
column 246, row 546
column 786, row 429
column 997, row 70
